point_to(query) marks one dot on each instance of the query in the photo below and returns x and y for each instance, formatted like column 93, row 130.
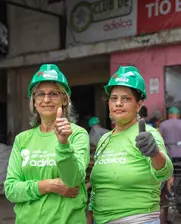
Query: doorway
column 83, row 101
column 88, row 101
column 172, row 86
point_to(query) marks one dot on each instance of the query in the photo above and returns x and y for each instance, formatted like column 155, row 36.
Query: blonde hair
column 68, row 109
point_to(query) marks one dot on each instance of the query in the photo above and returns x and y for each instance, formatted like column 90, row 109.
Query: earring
column 138, row 116
column 110, row 116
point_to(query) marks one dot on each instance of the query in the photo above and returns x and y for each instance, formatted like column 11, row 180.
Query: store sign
column 98, row 20
column 156, row 15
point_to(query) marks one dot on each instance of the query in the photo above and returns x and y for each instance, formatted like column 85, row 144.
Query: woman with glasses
column 47, row 166
column 130, row 161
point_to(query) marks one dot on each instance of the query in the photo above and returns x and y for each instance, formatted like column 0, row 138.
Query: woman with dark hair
column 130, row 161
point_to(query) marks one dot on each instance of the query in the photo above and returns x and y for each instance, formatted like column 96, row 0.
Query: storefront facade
column 153, row 64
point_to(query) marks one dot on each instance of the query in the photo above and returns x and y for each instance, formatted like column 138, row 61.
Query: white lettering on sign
column 159, row 8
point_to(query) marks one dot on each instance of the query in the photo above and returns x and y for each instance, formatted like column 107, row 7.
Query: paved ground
column 7, row 214
column 6, row 211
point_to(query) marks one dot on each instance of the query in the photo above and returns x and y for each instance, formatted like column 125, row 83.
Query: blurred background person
column 95, row 133
column 170, row 130
column 156, row 119
column 130, row 161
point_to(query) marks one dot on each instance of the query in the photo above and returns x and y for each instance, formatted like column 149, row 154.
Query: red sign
column 156, row 15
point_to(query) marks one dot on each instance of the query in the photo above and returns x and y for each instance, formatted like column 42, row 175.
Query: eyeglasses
column 53, row 95
column 124, row 99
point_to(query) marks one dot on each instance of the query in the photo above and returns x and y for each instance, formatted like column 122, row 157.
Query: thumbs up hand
column 145, row 141
column 62, row 127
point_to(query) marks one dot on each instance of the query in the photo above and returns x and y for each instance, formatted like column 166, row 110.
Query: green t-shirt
column 123, row 181
column 37, row 156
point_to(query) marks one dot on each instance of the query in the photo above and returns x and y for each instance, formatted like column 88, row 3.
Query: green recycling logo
column 84, row 13
column 81, row 17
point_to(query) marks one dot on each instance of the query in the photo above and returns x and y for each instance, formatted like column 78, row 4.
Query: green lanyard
column 102, row 146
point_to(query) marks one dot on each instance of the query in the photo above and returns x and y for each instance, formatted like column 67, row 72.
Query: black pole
column 63, row 22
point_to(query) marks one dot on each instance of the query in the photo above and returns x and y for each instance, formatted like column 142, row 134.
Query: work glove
column 145, row 141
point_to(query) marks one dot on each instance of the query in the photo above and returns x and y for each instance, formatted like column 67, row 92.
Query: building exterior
column 158, row 28
column 145, row 34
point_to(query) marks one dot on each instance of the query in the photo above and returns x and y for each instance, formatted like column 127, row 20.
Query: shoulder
column 104, row 130
column 107, row 134
column 25, row 133
column 104, row 137
column 79, row 134
column 78, row 129
column 164, row 122
column 151, row 128
column 23, row 138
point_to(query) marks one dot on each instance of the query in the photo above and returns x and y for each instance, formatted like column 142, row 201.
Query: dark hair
column 143, row 112
column 136, row 93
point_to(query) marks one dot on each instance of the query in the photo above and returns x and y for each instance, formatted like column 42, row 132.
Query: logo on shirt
column 37, row 158
column 110, row 157
column 112, row 160
column 25, row 154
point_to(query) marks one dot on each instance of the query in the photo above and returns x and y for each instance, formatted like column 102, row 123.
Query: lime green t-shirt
column 38, row 156
column 124, row 183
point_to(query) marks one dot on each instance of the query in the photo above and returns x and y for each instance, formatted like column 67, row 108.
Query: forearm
column 89, row 217
column 22, row 191
column 50, row 185
column 45, row 186
column 162, row 166
column 72, row 166
column 158, row 161
column 70, row 171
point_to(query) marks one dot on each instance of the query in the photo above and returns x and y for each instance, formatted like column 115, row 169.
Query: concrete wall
column 151, row 62
column 31, row 31
column 79, row 72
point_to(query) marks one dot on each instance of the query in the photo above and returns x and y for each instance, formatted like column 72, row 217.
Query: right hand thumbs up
column 62, row 127
column 59, row 112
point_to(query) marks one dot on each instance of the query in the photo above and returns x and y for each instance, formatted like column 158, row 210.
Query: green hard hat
column 173, row 110
column 93, row 121
column 49, row 72
column 128, row 76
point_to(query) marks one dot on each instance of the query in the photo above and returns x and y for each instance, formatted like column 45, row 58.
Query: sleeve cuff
column 159, row 174
column 91, row 203
column 64, row 148
column 90, row 207
column 36, row 189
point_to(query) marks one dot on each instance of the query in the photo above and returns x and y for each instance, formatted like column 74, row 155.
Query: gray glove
column 145, row 141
